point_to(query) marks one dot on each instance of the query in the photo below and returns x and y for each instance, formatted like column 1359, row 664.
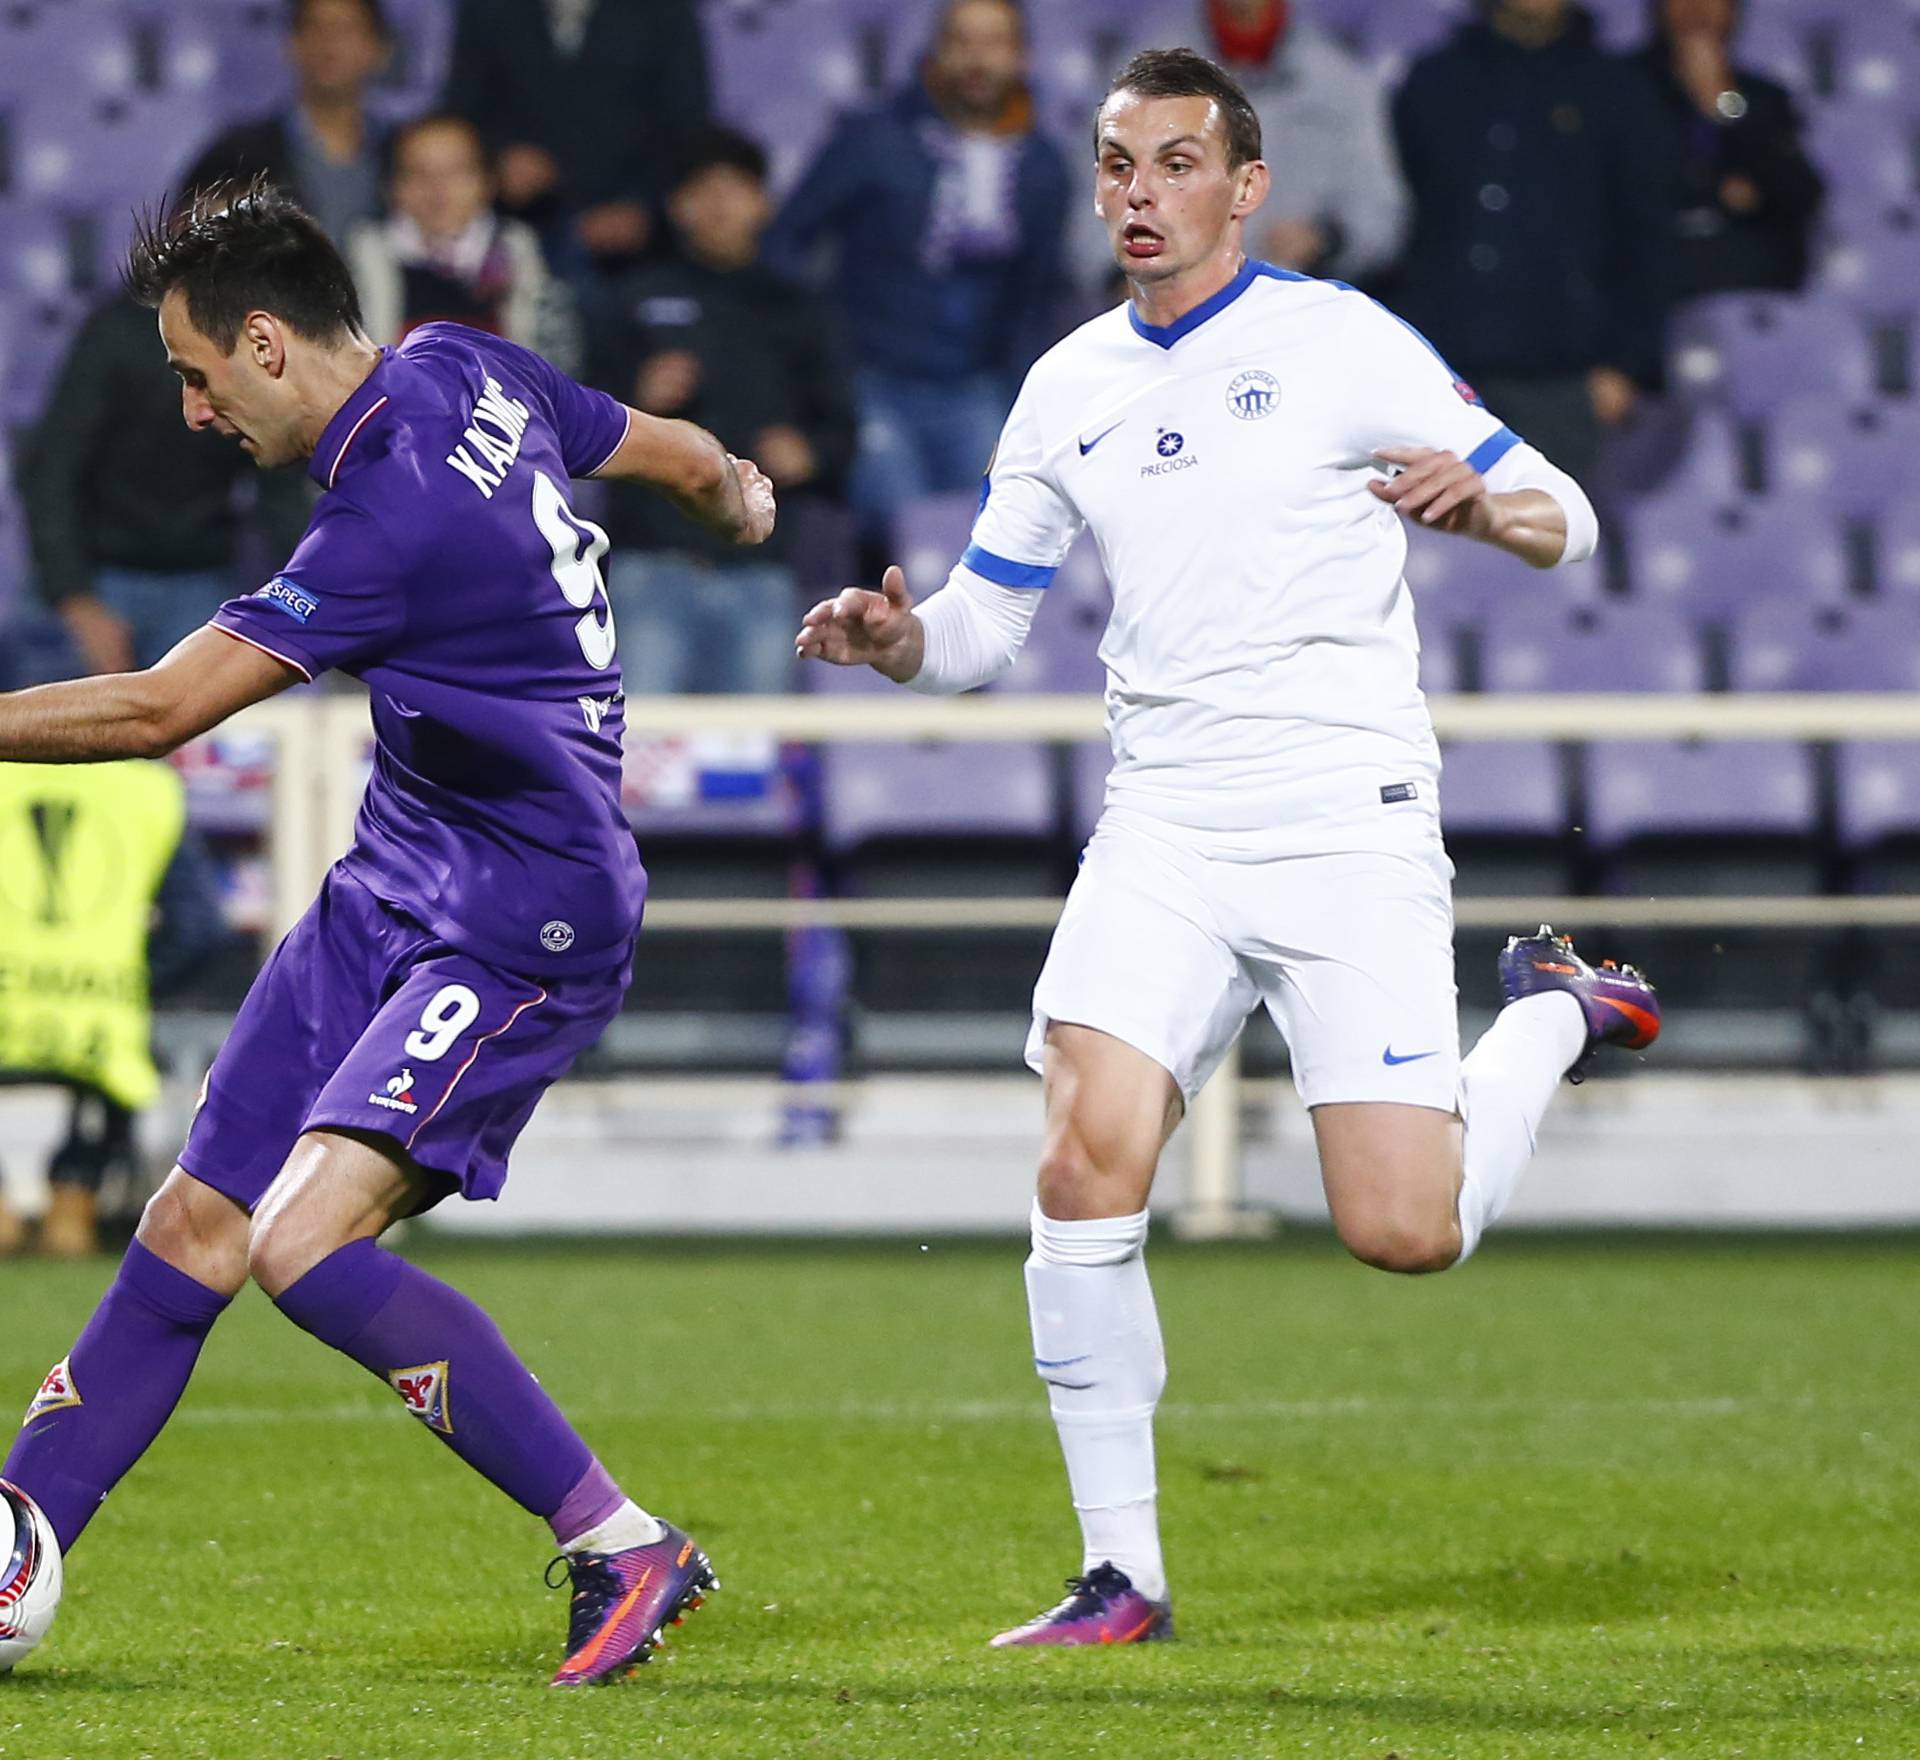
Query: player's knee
column 1391, row 1240
column 279, row 1252
column 200, row 1235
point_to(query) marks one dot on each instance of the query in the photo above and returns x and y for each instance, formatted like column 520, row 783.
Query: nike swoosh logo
column 1642, row 1018
column 1387, row 1057
column 1087, row 446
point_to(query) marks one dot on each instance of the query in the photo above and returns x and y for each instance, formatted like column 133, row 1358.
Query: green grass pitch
column 1587, row 1497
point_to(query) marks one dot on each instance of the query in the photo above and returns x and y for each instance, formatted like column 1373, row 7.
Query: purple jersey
column 444, row 567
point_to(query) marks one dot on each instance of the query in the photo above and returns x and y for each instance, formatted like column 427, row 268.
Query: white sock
column 1506, row 1083
column 1096, row 1344
column 627, row 1527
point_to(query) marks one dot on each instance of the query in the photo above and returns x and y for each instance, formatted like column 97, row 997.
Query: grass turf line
column 1583, row 1498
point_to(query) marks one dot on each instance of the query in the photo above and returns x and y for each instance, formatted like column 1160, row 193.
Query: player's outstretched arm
column 857, row 627
column 697, row 474
column 1441, row 490
column 207, row 678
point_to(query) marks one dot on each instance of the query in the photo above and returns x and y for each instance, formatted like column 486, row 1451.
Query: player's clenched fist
column 857, row 627
column 756, row 491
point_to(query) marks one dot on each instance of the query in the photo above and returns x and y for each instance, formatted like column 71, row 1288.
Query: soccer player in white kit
column 1243, row 443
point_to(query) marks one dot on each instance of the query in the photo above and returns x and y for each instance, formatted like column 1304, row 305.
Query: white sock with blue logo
column 1096, row 1344
column 1506, row 1085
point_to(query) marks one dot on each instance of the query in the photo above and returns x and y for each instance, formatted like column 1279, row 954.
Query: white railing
column 321, row 750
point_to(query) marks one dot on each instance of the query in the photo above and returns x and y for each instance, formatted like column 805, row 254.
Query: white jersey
column 1261, row 656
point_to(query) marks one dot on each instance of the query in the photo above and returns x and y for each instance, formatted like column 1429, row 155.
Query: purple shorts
column 363, row 1020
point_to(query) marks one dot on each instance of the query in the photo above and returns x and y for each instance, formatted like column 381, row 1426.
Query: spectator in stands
column 1541, row 191
column 1749, row 195
column 944, row 212
column 132, row 520
column 326, row 151
column 1338, row 206
column 583, row 103
column 443, row 253
column 711, row 335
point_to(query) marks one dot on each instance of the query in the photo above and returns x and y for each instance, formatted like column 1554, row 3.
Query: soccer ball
column 30, row 1576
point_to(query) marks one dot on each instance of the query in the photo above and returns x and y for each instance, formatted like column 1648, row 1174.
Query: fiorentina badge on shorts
column 423, row 1391
column 56, row 1393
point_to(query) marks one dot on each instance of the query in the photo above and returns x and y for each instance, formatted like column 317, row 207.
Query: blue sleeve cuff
column 1491, row 450
column 1004, row 573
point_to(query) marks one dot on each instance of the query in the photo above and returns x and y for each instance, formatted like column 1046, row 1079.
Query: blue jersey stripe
column 1004, row 573
column 1491, row 450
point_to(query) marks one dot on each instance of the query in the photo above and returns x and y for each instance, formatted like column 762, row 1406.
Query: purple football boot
column 1103, row 1607
column 1620, row 1005
column 624, row 1601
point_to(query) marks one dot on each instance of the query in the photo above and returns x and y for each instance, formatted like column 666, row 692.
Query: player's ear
column 263, row 341
column 1255, row 181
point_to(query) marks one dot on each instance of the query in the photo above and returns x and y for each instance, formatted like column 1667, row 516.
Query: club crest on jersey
column 423, row 1391
column 557, row 937
column 399, row 1095
column 1253, row 394
column 1467, row 394
column 56, row 1393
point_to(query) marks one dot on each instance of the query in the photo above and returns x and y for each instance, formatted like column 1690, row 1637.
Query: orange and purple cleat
column 624, row 1601
column 1103, row 1607
column 1620, row 1005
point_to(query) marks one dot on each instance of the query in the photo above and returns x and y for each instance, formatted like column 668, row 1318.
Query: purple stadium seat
column 1708, row 562
column 1862, row 647
column 1001, row 789
column 1851, row 459
column 1874, row 268
column 1878, row 788
column 1753, row 350
column 1877, row 59
column 1698, row 789
column 1090, row 762
column 1398, row 32
column 929, row 535
column 1778, row 48
column 1709, row 467
column 1460, row 585
column 1867, row 157
column 1591, row 648
column 1897, row 548
column 1501, row 788
column 782, row 70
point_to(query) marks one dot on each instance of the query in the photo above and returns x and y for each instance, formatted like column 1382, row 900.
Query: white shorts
column 1170, row 950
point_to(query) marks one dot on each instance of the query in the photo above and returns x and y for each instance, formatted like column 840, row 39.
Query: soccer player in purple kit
column 477, row 937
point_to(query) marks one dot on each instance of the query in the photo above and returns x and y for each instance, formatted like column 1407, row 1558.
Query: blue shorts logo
column 1253, row 394
column 283, row 595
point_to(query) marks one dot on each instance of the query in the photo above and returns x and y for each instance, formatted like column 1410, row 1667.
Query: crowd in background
column 1531, row 201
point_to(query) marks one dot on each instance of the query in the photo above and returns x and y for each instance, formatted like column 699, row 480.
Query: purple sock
column 449, row 1365
column 99, row 1410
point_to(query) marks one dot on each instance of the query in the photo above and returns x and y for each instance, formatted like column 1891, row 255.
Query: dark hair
column 715, row 148
column 241, row 247
column 406, row 132
column 1181, row 73
column 372, row 10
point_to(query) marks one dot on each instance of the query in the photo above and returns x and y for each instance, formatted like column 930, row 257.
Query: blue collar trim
column 1166, row 335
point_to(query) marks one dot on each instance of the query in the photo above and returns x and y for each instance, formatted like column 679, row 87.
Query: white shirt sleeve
column 1405, row 394
column 976, row 624
column 1526, row 467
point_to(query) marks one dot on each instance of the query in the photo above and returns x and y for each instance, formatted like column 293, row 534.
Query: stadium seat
column 1876, row 54
column 1614, row 647
column 1503, row 808
column 1863, row 647
column 1708, row 562
column 1849, row 459
column 1753, row 351
column 1897, row 548
column 1868, row 159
